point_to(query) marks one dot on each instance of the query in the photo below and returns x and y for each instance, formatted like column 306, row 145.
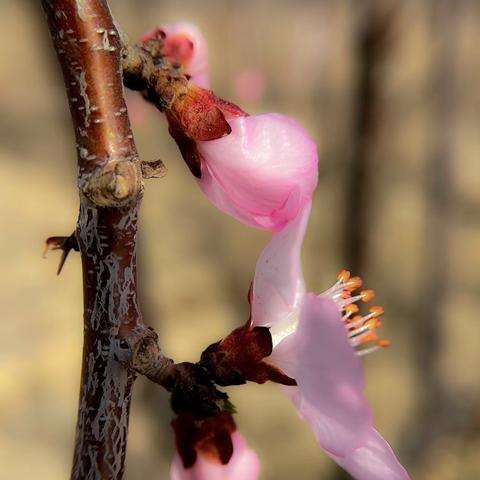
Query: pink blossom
column 317, row 339
column 185, row 44
column 263, row 173
column 243, row 465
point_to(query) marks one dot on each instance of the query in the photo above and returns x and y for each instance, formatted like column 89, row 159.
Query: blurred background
column 390, row 89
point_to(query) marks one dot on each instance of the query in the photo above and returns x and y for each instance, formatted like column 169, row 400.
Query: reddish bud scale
column 241, row 357
column 199, row 115
column 210, row 437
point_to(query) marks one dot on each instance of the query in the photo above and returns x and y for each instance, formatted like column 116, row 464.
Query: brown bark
column 88, row 48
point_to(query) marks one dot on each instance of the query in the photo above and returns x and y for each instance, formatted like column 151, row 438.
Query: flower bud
column 263, row 172
column 184, row 44
column 243, row 464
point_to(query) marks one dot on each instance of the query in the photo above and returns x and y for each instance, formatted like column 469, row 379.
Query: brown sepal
column 187, row 146
column 193, row 390
column 229, row 109
column 241, row 357
column 198, row 115
column 209, row 436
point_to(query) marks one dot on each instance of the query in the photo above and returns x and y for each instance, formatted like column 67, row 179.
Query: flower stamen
column 349, row 311
column 360, row 329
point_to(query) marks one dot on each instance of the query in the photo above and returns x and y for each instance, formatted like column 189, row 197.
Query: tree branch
column 88, row 48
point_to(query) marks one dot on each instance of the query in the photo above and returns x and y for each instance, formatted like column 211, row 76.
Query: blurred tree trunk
column 437, row 413
column 375, row 20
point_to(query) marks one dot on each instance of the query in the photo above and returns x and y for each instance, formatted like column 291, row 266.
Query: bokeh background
column 390, row 89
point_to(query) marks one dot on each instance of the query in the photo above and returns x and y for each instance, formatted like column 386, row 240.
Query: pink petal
column 263, row 172
column 330, row 380
column 195, row 63
column 278, row 285
column 243, row 465
column 375, row 460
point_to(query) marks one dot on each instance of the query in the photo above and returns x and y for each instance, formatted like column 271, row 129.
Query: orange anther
column 369, row 337
column 377, row 311
column 383, row 343
column 367, row 295
column 356, row 318
column 351, row 308
column 346, row 294
column 354, row 283
column 343, row 276
column 372, row 324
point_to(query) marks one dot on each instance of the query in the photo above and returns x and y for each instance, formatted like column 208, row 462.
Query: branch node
column 146, row 357
column 116, row 184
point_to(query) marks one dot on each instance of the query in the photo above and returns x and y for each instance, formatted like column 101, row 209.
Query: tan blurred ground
column 196, row 263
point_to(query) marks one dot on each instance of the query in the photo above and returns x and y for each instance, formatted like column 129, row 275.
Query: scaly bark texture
column 88, row 48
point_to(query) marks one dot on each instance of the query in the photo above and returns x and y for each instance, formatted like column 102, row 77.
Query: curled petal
column 185, row 44
column 330, row 380
column 263, row 172
column 243, row 465
column 374, row 460
column 279, row 286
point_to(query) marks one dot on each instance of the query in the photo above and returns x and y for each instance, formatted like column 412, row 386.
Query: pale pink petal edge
column 279, row 285
column 375, row 460
column 330, row 392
